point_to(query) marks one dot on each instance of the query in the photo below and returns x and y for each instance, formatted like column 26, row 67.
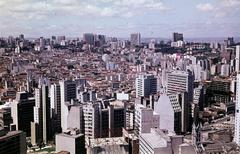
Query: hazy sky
column 152, row 18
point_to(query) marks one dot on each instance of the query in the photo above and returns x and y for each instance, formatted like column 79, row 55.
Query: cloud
column 205, row 7
column 28, row 9
column 231, row 3
column 222, row 9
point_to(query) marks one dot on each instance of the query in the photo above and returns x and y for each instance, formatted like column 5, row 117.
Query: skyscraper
column 135, row 38
column 22, row 112
column 68, row 92
column 91, row 114
column 104, row 119
column 40, row 128
column 13, row 142
column 21, row 37
column 88, row 38
column 169, row 110
column 237, row 59
column 145, row 119
column 42, row 43
column 71, row 141
column 55, row 99
column 177, row 37
column 237, row 113
column 180, row 81
column 146, row 85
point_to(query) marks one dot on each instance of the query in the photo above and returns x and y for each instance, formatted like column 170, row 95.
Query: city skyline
column 208, row 18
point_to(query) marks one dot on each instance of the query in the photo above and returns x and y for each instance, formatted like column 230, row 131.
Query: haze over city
column 119, row 18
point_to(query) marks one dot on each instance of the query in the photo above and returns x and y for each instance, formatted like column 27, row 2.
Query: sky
column 152, row 18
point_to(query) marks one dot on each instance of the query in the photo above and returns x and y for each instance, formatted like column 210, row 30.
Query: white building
column 225, row 70
column 40, row 128
column 68, row 92
column 151, row 45
column 166, row 107
column 75, row 118
column 177, row 44
column 71, row 141
column 237, row 113
column 91, row 113
column 159, row 142
column 145, row 85
column 180, row 81
column 237, row 59
column 145, row 119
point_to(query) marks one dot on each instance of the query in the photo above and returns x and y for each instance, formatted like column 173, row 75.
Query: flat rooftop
column 107, row 142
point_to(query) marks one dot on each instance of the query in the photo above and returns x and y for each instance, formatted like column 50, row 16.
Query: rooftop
column 107, row 142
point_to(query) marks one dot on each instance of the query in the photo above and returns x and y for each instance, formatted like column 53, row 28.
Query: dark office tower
column 135, row 39
column 61, row 38
column 55, row 99
column 177, row 37
column 101, row 39
column 13, row 142
column 40, row 128
column 88, row 38
column 146, row 85
column 22, row 112
column 230, row 41
column 54, row 38
column 21, row 37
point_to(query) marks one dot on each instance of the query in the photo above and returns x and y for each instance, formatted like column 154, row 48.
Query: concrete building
column 22, row 111
column 68, row 92
column 225, row 70
column 75, row 118
column 86, row 96
column 199, row 97
column 237, row 113
column 237, row 59
column 13, row 142
column 40, row 127
column 159, row 142
column 135, row 39
column 104, row 119
column 71, row 141
column 107, row 145
column 170, row 112
column 146, row 85
column 5, row 119
column 55, row 99
column 186, row 148
column 145, row 119
column 180, row 81
column 91, row 114
column 219, row 90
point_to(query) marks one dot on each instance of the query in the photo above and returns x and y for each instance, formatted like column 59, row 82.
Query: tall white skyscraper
column 145, row 119
column 145, row 85
column 91, row 114
column 237, row 59
column 40, row 128
column 237, row 113
column 68, row 92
